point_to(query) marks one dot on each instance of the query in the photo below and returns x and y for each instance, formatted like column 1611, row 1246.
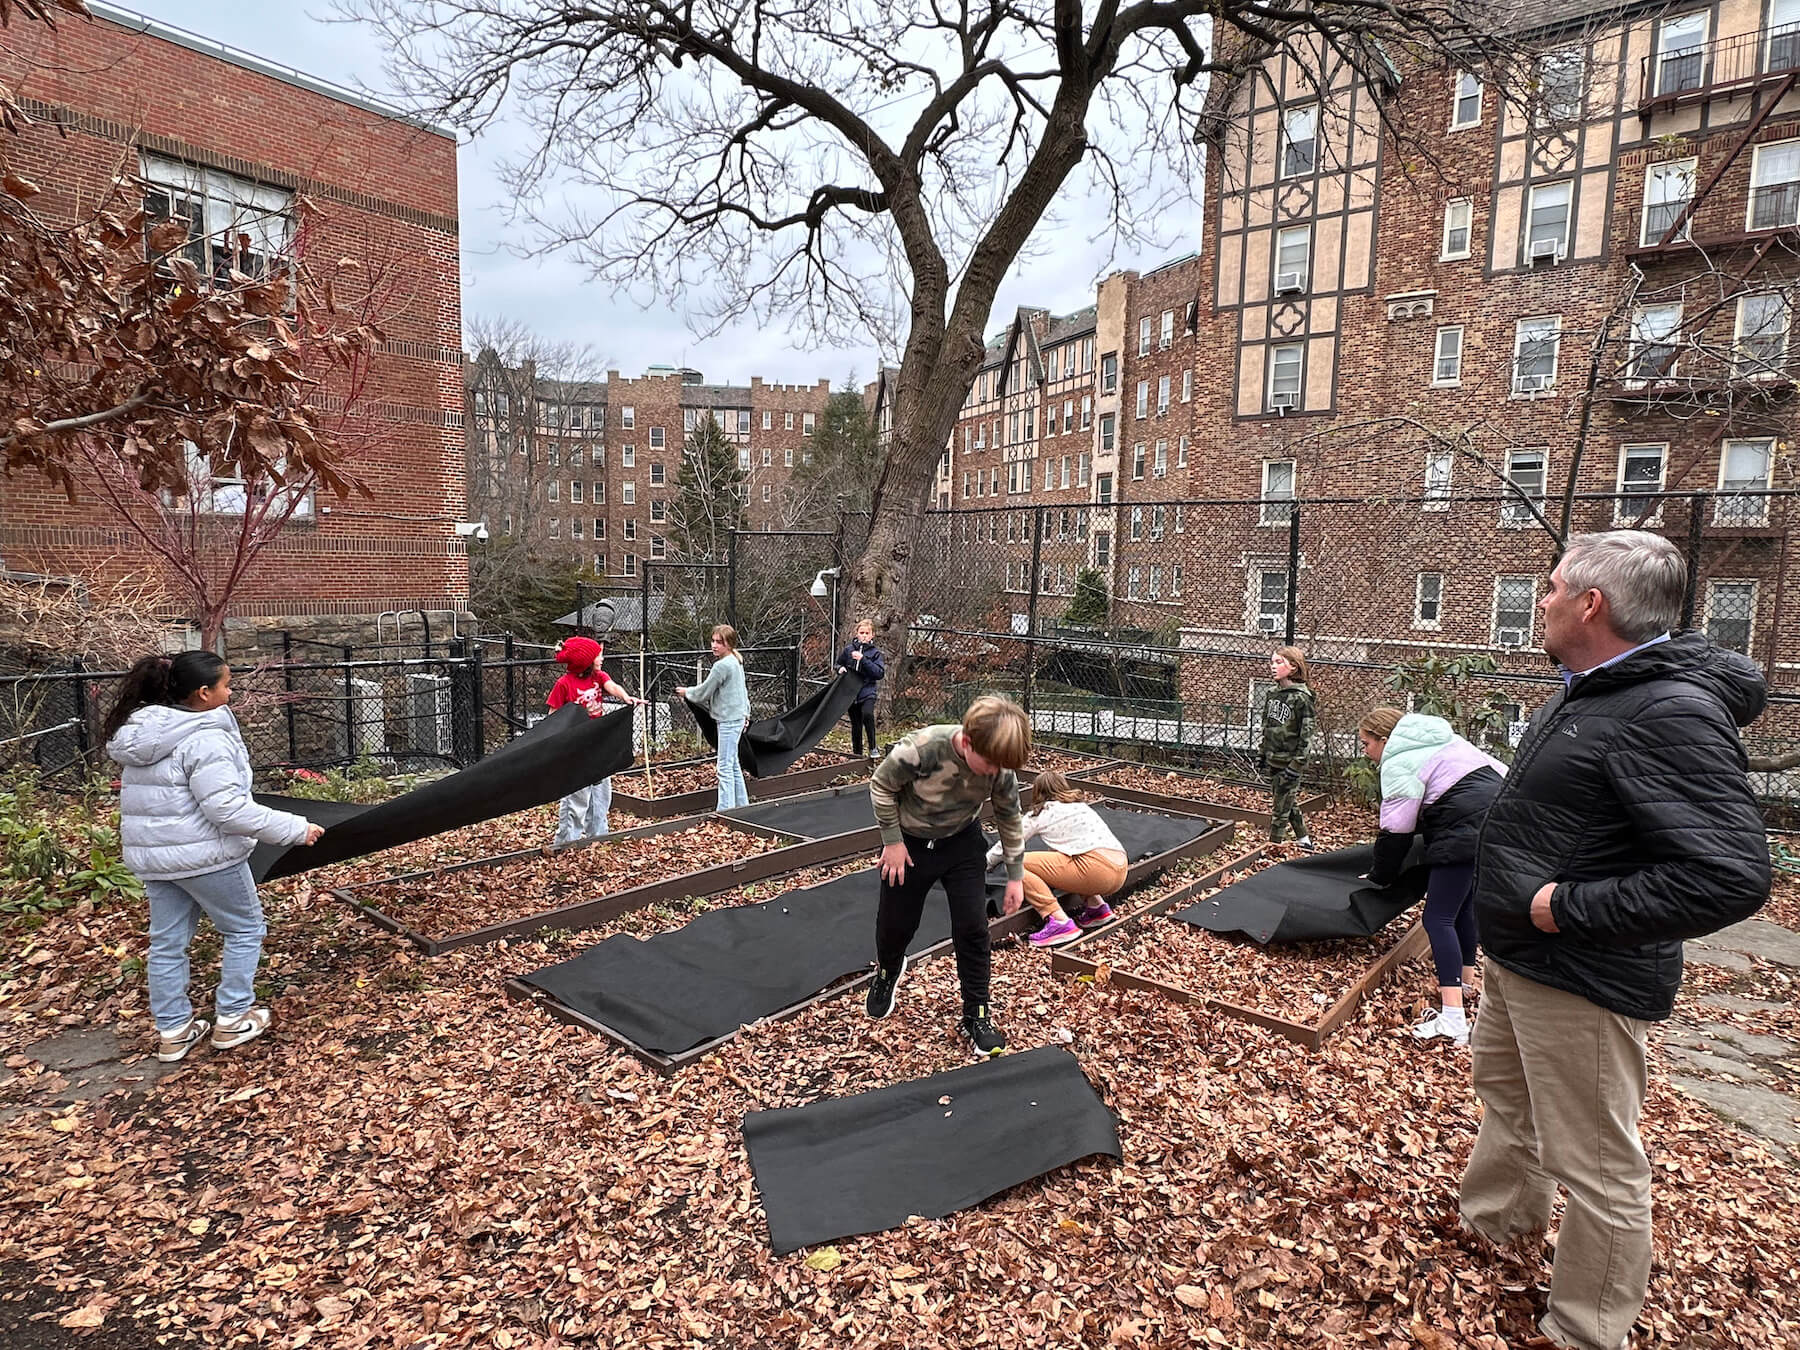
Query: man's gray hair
column 1642, row 575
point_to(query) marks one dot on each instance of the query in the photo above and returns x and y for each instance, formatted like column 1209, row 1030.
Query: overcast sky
column 556, row 297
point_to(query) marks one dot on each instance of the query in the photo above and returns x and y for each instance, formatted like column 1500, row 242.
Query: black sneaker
column 979, row 1030
column 881, row 990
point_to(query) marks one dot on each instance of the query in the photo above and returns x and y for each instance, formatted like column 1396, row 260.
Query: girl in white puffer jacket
column 188, row 824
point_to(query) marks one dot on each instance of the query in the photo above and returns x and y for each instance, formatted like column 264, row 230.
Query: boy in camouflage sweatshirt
column 927, row 796
column 1287, row 731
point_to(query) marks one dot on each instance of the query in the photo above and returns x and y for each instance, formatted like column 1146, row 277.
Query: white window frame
column 1729, row 510
column 1758, row 367
column 1788, row 203
column 1464, row 207
column 229, row 207
column 553, row 490
column 1276, row 504
column 1713, row 586
column 1654, row 330
column 1696, row 23
column 1446, row 366
column 628, row 418
column 1567, row 113
column 628, row 494
column 1460, row 94
column 808, row 424
column 768, row 420
column 1537, row 328
column 1624, row 508
column 1145, row 329
column 1513, row 513
column 1162, row 395
column 1289, row 164
column 1143, row 398
column 1682, row 173
column 628, row 457
column 1259, row 617
column 1566, row 189
column 1436, row 621
column 1440, row 473
column 1165, row 336
column 1299, row 373
column 1502, row 583
column 1187, row 385
column 1293, row 253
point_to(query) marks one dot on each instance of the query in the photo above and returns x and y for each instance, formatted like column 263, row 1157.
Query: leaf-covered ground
column 674, row 781
column 1149, row 778
column 411, row 1160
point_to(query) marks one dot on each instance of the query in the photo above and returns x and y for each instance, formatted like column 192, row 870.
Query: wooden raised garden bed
column 1017, row 924
column 1385, row 954
column 433, row 909
column 1184, row 791
column 688, row 787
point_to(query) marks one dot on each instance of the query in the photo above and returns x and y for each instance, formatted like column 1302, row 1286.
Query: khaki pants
column 1562, row 1080
column 1091, row 873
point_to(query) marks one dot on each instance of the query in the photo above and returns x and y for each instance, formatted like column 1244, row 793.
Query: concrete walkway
column 1751, row 1080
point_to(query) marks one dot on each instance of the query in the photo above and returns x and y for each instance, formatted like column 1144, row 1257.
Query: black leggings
column 1450, row 920
column 862, row 722
column 960, row 862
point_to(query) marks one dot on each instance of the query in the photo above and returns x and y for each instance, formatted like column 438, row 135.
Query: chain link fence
column 1127, row 624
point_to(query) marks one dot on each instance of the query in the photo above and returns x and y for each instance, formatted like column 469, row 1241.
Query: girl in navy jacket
column 862, row 659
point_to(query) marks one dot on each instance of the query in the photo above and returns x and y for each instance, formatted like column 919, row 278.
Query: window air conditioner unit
column 1282, row 402
column 1532, row 384
column 1268, row 623
column 1512, row 637
column 1286, row 282
column 1546, row 250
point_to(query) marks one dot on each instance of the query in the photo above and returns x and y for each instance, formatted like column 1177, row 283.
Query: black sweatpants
column 862, row 723
column 960, row 862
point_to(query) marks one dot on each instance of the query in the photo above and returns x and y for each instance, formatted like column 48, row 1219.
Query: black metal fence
column 398, row 712
column 1124, row 621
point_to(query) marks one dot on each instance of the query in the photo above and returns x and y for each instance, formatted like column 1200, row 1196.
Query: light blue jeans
column 585, row 814
column 227, row 897
column 732, row 791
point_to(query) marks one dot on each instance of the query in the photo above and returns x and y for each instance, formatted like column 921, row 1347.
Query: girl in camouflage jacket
column 1288, row 717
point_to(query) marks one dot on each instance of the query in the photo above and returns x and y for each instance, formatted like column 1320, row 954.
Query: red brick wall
column 386, row 194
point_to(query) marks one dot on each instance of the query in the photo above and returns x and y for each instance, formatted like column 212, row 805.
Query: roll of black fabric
column 564, row 753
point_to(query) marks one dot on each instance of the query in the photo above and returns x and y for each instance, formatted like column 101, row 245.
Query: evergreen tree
column 709, row 496
column 1089, row 607
column 840, row 471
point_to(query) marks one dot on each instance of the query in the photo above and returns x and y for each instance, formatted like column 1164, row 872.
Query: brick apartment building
column 218, row 134
column 1384, row 345
column 587, row 471
column 1595, row 294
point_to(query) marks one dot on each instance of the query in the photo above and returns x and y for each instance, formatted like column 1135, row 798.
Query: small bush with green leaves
column 56, row 850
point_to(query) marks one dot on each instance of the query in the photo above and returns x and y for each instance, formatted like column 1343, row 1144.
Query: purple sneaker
column 1055, row 933
column 1093, row 915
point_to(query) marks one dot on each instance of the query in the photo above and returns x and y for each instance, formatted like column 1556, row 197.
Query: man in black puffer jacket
column 1625, row 825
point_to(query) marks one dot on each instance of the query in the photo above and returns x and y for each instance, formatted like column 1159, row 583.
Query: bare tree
column 870, row 167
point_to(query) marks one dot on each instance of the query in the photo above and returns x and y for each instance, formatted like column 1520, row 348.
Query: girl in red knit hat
column 584, row 813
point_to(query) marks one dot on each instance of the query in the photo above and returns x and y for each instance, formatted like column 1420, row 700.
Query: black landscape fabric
column 738, row 965
column 565, row 752
column 1309, row 899
column 731, row 966
column 849, row 1165
column 822, row 815
column 771, row 745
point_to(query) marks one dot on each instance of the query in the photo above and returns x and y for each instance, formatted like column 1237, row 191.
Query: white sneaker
column 1436, row 1025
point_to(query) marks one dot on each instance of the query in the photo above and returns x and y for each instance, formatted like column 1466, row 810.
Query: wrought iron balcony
column 1723, row 65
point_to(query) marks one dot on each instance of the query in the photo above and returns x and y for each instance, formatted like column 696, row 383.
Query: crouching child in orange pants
column 1084, row 859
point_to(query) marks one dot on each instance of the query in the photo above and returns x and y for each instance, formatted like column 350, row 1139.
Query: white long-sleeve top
column 1070, row 828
